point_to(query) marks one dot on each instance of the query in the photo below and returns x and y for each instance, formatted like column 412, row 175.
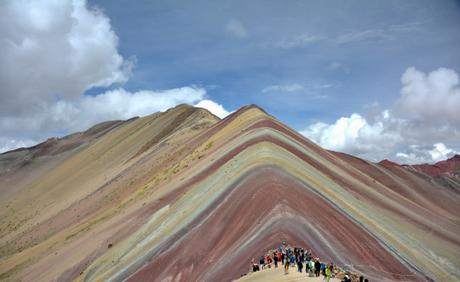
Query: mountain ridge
column 221, row 181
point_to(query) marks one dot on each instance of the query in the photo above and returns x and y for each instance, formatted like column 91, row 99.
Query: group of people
column 296, row 257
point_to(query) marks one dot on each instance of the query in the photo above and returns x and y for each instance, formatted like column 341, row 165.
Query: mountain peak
column 151, row 189
column 388, row 163
column 447, row 167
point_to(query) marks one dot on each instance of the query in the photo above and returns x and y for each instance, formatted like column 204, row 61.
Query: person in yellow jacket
column 328, row 273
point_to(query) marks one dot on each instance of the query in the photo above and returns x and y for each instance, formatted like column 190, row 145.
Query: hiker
column 288, row 256
column 311, row 266
column 323, row 269
column 299, row 264
column 262, row 262
column 308, row 255
column 327, row 273
column 255, row 266
column 292, row 258
column 286, row 266
column 269, row 261
column 317, row 267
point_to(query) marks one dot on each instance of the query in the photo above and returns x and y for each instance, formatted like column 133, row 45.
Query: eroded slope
column 183, row 196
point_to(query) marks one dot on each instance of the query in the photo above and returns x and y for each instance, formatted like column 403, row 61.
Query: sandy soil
column 277, row 274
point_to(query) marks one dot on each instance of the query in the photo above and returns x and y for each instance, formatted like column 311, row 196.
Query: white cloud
column 65, row 117
column 354, row 135
column 121, row 104
column 432, row 97
column 299, row 41
column 7, row 144
column 415, row 154
column 322, row 86
column 377, row 34
column 441, row 152
column 54, row 50
column 334, row 66
column 236, row 28
column 51, row 52
column 386, row 33
column 337, row 67
column 313, row 91
column 283, row 88
column 365, row 35
column 213, row 107
column 422, row 126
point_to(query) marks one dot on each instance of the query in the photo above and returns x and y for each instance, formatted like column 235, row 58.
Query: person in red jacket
column 269, row 260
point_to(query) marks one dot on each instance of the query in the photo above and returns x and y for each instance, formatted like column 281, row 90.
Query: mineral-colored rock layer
column 184, row 196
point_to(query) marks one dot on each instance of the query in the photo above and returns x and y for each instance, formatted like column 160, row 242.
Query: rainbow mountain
column 181, row 195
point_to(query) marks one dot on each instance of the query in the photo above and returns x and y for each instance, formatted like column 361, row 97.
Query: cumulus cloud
column 213, row 107
column 123, row 104
column 354, row 135
column 441, row 152
column 416, row 154
column 432, row 97
column 236, row 28
column 65, row 117
column 422, row 126
column 51, row 52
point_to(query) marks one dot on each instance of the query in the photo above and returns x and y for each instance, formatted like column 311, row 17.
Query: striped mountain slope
column 184, row 196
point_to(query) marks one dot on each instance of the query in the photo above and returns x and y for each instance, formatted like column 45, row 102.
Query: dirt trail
column 277, row 274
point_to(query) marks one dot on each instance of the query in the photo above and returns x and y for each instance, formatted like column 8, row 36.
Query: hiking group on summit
column 291, row 257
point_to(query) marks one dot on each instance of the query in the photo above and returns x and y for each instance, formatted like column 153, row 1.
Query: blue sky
column 179, row 43
column 376, row 79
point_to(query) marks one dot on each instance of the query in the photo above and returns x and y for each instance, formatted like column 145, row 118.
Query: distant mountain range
column 181, row 195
